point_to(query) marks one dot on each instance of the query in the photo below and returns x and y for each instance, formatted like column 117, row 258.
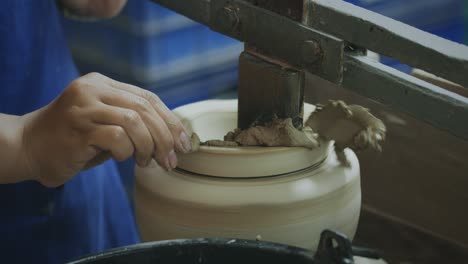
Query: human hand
column 96, row 118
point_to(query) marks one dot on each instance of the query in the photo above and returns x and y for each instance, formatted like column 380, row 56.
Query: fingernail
column 186, row 144
column 172, row 160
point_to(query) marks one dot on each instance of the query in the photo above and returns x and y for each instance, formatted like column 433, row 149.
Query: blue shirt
column 88, row 214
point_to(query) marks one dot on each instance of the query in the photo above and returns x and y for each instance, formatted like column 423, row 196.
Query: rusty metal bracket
column 270, row 33
column 267, row 90
column 439, row 107
column 323, row 43
column 391, row 38
column 280, row 37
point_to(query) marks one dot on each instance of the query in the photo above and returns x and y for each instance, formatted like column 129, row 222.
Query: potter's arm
column 329, row 38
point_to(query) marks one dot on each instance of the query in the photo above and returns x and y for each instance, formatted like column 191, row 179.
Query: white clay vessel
column 285, row 195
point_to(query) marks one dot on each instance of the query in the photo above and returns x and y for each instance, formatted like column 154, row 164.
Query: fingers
column 161, row 135
column 133, row 127
column 100, row 158
column 142, row 109
column 113, row 139
column 181, row 139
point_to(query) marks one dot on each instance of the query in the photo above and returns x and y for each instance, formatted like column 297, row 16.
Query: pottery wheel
column 212, row 119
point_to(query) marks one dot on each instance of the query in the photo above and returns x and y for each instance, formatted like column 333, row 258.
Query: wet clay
column 278, row 133
column 195, row 140
column 350, row 126
column 220, row 143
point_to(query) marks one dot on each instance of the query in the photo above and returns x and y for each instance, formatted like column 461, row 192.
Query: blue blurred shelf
column 155, row 48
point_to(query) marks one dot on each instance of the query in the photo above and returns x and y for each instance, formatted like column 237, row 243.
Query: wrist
column 14, row 165
column 25, row 154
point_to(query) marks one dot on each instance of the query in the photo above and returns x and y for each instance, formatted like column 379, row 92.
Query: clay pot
column 285, row 195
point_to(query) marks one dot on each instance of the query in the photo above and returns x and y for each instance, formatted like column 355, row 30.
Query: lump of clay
column 350, row 126
column 277, row 133
column 220, row 143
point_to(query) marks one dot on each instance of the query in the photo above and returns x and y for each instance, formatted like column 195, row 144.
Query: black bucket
column 333, row 248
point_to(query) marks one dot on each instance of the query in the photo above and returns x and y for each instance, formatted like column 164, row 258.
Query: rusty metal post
column 268, row 90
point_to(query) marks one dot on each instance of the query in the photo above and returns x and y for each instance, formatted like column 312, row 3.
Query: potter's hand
column 96, row 118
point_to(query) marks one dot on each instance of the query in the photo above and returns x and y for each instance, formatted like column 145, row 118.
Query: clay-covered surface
column 349, row 126
column 277, row 133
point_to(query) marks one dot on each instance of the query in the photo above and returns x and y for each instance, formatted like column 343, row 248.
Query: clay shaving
column 350, row 126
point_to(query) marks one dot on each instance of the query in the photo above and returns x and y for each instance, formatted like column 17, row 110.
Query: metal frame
column 329, row 42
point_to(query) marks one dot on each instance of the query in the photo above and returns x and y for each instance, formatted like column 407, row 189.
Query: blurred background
column 183, row 61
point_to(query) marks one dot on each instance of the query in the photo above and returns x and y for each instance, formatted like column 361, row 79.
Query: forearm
column 94, row 8
column 13, row 164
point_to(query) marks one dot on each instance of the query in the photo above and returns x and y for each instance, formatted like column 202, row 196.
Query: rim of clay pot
column 212, row 119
